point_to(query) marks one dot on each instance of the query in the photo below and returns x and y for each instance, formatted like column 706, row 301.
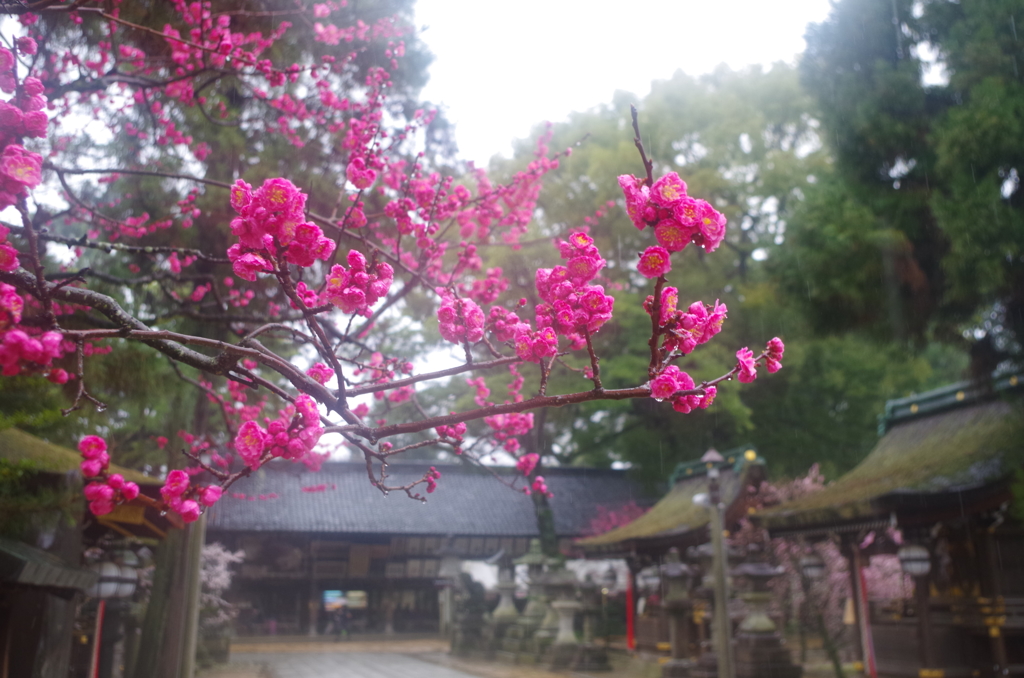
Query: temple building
column 314, row 541
column 676, row 522
column 941, row 490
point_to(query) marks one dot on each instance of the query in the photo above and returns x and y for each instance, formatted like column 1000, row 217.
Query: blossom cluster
column 527, row 463
column 105, row 491
column 291, row 436
column 271, row 225
column 320, row 373
column 666, row 386
column 19, row 351
column 22, row 116
column 747, row 363
column 571, row 307
column 11, row 304
column 539, row 486
column 677, row 218
column 452, row 434
column 509, row 425
column 459, row 320
column 184, row 498
column 433, row 475
column 685, row 330
column 505, row 324
column 357, row 289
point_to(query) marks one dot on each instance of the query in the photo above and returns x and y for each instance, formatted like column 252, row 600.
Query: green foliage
column 926, row 194
column 146, row 396
column 747, row 142
column 34, row 405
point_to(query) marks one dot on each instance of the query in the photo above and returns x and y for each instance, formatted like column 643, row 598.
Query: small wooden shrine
column 947, row 474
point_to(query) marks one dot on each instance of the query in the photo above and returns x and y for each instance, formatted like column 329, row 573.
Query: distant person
column 342, row 620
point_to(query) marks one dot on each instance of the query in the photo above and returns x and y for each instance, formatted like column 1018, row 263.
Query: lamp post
column 917, row 562
column 722, row 625
column 675, row 577
column 608, row 582
column 116, row 583
column 449, row 571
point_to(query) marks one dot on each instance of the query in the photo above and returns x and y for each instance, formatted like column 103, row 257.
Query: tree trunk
column 545, row 524
column 159, row 611
column 535, row 443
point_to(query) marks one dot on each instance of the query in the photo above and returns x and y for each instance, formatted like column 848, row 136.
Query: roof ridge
column 951, row 396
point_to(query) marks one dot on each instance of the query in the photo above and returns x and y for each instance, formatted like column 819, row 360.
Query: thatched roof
column 675, row 520
column 16, row 445
column 956, row 452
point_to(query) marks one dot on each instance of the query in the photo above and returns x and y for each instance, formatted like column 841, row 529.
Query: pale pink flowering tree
column 411, row 237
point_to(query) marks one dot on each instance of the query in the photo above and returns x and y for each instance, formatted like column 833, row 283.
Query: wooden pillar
column 193, row 591
column 926, row 653
column 995, row 614
column 861, row 612
column 630, row 610
column 313, row 602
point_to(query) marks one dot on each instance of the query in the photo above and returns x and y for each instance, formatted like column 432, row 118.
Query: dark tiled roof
column 468, row 501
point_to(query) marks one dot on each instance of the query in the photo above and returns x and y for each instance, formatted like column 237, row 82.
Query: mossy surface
column 957, row 449
column 17, row 446
column 675, row 513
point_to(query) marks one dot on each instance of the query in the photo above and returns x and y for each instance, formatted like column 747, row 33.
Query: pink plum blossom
column 747, row 366
column 527, row 463
column 654, row 262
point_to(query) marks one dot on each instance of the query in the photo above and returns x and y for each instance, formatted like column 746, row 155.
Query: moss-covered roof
column 675, row 513
column 16, row 445
column 957, row 449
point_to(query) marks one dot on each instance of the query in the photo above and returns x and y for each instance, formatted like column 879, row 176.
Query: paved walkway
column 380, row 657
column 347, row 665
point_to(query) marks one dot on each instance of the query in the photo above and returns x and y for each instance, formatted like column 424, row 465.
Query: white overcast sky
column 502, row 67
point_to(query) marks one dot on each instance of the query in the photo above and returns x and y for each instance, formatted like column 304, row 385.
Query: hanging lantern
column 676, row 577
column 812, row 566
column 915, row 560
column 115, row 581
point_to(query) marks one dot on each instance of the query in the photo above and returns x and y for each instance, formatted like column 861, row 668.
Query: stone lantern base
column 677, row 668
column 590, row 657
column 762, row 655
column 706, row 666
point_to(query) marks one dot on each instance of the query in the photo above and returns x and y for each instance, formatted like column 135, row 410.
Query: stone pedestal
column 764, row 656
column 563, row 650
column 590, row 656
column 705, row 667
column 679, row 665
column 506, row 610
column 759, row 650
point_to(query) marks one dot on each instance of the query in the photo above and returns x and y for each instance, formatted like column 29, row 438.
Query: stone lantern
column 676, row 577
column 760, row 652
column 591, row 656
column 519, row 635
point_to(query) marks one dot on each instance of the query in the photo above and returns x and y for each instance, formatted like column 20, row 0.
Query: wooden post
column 863, row 614
column 194, row 585
column 850, row 551
column 630, row 611
column 996, row 612
column 722, row 635
column 94, row 660
column 924, row 623
column 159, row 645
